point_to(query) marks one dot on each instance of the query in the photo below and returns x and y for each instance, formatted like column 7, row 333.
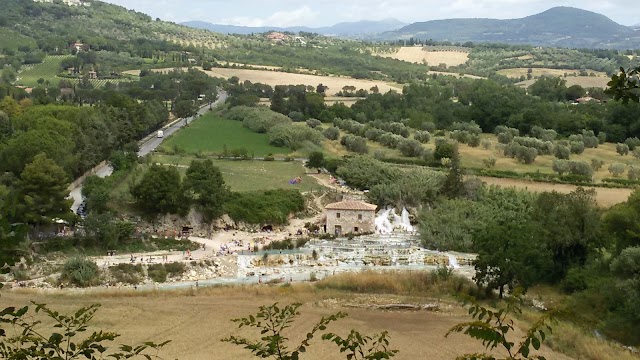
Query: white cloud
column 284, row 18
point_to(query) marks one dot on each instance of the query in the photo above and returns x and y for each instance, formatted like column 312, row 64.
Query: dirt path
column 605, row 197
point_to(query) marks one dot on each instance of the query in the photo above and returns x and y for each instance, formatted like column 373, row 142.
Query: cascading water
column 453, row 261
column 386, row 226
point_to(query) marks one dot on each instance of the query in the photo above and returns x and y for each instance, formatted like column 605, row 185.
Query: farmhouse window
column 355, row 229
column 359, row 218
column 337, row 215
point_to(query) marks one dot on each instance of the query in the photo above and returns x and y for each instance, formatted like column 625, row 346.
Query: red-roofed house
column 350, row 216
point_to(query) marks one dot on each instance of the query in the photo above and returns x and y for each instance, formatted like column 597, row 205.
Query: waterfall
column 453, row 262
column 383, row 225
column 386, row 226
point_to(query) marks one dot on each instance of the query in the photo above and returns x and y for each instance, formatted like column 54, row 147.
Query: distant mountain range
column 347, row 29
column 558, row 26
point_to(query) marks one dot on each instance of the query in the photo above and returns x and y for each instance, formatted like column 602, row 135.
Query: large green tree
column 159, row 192
column 207, row 189
column 43, row 186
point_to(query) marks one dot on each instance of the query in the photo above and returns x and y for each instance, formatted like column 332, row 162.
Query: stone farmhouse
column 350, row 217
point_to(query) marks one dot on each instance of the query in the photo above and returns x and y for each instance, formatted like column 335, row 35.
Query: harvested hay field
column 606, row 197
column 274, row 78
column 196, row 320
column 418, row 55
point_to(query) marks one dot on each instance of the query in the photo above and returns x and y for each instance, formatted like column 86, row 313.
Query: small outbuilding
column 350, row 216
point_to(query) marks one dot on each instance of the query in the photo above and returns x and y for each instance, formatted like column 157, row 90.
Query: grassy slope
column 47, row 70
column 210, row 133
column 247, row 175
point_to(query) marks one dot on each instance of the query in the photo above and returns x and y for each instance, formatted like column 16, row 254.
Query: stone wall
column 349, row 220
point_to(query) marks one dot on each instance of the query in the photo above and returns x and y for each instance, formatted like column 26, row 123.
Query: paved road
column 146, row 147
column 154, row 142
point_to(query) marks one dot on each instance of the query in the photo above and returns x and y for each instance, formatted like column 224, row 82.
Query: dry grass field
column 274, row 78
column 416, row 54
column 328, row 100
column 195, row 321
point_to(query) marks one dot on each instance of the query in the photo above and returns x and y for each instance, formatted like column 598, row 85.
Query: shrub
column 562, row 152
column 616, row 169
column 590, row 139
column 355, row 144
column 622, row 149
column 175, row 269
column 543, row 134
column 632, row 143
column 157, row 273
column 444, row 149
column 505, row 138
column 596, row 164
column 489, row 162
column 486, row 144
column 575, row 280
column 296, row 116
column 390, row 140
column 313, row 123
column 269, row 157
column 422, row 136
column 581, row 168
column 560, row 166
column 127, row 273
column 633, row 173
column 468, row 127
column 474, row 140
column 80, row 271
column 363, row 172
column 602, row 137
column 293, row 137
column 257, row 119
column 332, row 133
column 410, row 148
column 526, row 155
column 373, row 134
column 577, row 147
column 428, row 126
column 636, row 153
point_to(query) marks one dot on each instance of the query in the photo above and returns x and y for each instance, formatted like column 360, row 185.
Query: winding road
column 148, row 144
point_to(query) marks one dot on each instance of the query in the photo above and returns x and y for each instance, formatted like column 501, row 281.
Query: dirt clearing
column 418, row 55
column 196, row 321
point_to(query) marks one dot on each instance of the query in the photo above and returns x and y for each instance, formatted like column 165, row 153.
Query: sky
column 328, row 12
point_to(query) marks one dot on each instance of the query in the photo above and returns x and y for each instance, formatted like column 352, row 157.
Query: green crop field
column 47, row 70
column 210, row 133
column 248, row 175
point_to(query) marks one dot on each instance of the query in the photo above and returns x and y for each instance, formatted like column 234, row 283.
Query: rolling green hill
column 559, row 26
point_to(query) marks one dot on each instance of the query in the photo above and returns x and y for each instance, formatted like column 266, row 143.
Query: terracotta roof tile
column 351, row 205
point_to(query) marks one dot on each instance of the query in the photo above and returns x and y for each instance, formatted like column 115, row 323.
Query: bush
column 355, row 144
column 390, row 140
column 363, row 172
column 562, row 152
column 313, row 123
column 622, row 149
column 543, row 134
column 577, row 147
column 293, row 137
column 157, row 273
column 332, row 133
column 560, row 166
column 616, row 169
column 486, row 144
column 474, row 140
column 590, row 139
column 373, row 134
column 602, row 137
column 257, row 119
column 410, row 148
column 80, row 271
column 422, row 136
column 596, row 164
column 632, row 143
column 428, row 127
column 127, row 273
column 636, row 153
column 633, row 173
column 574, row 281
column 489, row 162
column 296, row 116
column 444, row 150
column 175, row 269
